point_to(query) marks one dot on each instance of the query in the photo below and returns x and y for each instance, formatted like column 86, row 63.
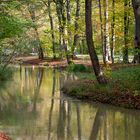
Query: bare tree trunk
column 102, row 32
column 62, row 23
column 106, row 33
column 136, row 7
column 52, row 26
column 126, row 30
column 113, row 31
column 68, row 7
column 89, row 37
column 31, row 10
column 76, row 36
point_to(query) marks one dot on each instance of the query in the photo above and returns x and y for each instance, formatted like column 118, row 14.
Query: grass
column 123, row 88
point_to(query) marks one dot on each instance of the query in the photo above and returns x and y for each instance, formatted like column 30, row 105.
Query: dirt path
column 58, row 63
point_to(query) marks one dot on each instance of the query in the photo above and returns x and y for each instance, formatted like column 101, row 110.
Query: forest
column 85, row 50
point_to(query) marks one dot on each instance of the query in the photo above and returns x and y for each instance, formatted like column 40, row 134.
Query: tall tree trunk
column 68, row 7
column 89, row 37
column 31, row 10
column 76, row 36
column 113, row 31
column 102, row 32
column 60, row 8
column 106, row 33
column 52, row 27
column 126, row 30
column 136, row 7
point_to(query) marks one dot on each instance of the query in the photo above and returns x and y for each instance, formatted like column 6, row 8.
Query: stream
column 32, row 107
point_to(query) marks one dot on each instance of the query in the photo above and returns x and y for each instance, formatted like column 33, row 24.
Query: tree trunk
column 136, row 7
column 52, row 27
column 89, row 37
column 126, row 31
column 76, row 36
column 102, row 32
column 113, row 31
column 31, row 10
column 68, row 7
column 62, row 23
column 106, row 33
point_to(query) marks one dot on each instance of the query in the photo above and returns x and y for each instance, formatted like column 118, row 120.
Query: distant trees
column 57, row 29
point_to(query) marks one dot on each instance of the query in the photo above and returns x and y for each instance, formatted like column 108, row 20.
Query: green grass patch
column 78, row 68
column 123, row 88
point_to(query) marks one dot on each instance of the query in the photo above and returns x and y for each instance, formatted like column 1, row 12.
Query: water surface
column 32, row 107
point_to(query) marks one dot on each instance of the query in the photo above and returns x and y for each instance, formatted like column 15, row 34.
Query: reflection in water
column 97, row 124
column 32, row 107
column 78, row 121
column 52, row 105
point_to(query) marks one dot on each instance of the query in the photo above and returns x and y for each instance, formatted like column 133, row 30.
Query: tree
column 48, row 5
column 106, row 32
column 136, row 7
column 76, row 36
column 89, row 37
column 113, row 31
column 31, row 9
column 102, row 31
column 60, row 9
column 126, row 30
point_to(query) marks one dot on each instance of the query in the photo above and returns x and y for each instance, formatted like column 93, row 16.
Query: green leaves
column 11, row 26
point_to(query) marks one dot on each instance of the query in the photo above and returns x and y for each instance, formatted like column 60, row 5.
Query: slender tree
column 89, row 37
column 113, row 31
column 102, row 30
column 60, row 8
column 48, row 5
column 76, row 36
column 69, row 22
column 126, row 30
column 31, row 9
column 106, row 32
column 136, row 7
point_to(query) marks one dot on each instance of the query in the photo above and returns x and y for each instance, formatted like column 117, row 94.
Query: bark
column 136, row 7
column 31, row 10
column 89, row 37
column 76, row 36
column 126, row 30
column 106, row 33
column 62, row 25
column 113, row 31
column 52, row 26
column 102, row 32
column 68, row 7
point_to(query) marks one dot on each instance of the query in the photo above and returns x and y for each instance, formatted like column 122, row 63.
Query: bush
column 78, row 68
column 5, row 74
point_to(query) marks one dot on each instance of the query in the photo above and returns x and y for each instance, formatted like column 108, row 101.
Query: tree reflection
column 69, row 114
column 52, row 104
column 39, row 77
column 97, row 124
column 78, row 121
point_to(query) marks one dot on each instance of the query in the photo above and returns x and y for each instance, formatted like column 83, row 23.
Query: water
column 33, row 108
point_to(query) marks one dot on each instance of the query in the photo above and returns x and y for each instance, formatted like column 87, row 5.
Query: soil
column 60, row 63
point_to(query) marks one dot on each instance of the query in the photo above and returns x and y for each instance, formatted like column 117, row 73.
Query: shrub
column 78, row 68
column 5, row 74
